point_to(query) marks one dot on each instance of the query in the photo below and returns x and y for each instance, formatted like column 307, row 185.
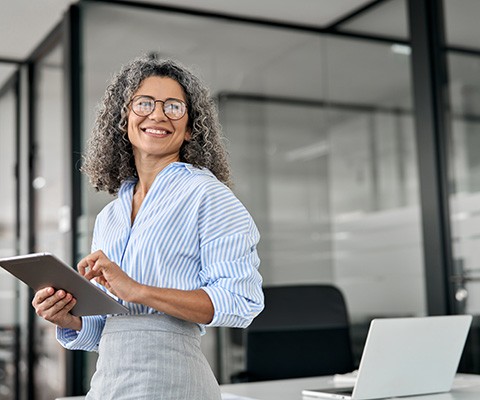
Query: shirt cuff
column 88, row 338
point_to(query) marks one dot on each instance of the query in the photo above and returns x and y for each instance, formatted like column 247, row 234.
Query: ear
column 188, row 135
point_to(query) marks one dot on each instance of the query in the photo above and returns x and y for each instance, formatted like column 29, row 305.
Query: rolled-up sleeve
column 234, row 284
column 230, row 262
column 88, row 338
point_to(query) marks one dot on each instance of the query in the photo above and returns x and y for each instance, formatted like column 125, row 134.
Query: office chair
column 303, row 331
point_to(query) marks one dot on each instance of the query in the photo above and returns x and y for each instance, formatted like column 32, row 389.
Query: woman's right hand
column 55, row 306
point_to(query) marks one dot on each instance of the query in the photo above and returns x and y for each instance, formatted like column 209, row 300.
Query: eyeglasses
column 145, row 105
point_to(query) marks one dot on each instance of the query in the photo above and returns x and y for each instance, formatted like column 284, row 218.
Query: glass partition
column 464, row 90
column 322, row 145
column 51, row 206
column 9, row 286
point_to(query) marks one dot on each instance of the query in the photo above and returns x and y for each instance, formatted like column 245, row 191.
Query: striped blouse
column 190, row 232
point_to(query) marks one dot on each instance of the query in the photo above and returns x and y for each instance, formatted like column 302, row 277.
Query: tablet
column 42, row 270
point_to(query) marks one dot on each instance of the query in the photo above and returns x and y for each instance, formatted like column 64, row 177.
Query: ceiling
column 24, row 24
column 29, row 22
column 40, row 16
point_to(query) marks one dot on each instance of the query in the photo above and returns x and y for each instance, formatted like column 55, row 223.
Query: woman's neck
column 147, row 170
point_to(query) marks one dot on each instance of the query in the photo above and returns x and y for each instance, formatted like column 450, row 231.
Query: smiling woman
column 176, row 247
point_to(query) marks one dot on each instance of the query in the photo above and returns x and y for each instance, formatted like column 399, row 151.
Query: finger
column 69, row 306
column 99, row 265
column 85, row 265
column 54, row 299
column 88, row 263
column 101, row 280
column 94, row 272
column 90, row 260
column 82, row 267
column 64, row 306
column 42, row 295
column 58, row 307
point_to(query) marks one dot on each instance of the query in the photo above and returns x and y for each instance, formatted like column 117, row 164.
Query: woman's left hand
column 99, row 267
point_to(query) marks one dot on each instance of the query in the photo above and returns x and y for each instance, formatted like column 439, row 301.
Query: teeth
column 156, row 131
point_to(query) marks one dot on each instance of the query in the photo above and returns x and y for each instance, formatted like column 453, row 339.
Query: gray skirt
column 152, row 357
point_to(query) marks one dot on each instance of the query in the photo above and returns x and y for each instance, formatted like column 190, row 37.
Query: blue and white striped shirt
column 190, row 232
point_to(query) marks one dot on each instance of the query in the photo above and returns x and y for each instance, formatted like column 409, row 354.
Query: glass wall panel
column 52, row 218
column 8, row 132
column 279, row 155
column 9, row 286
column 464, row 89
column 321, row 139
column 373, row 180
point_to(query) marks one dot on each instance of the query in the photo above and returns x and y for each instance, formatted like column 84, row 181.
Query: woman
column 176, row 246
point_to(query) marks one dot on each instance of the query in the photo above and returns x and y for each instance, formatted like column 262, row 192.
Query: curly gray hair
column 108, row 160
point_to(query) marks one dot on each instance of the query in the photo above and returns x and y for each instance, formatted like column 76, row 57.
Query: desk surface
column 465, row 387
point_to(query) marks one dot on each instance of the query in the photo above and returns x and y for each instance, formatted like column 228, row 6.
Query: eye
column 174, row 107
column 143, row 105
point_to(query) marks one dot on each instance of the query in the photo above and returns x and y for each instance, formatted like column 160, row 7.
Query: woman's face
column 156, row 137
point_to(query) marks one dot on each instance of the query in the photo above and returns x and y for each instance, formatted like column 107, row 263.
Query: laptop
column 405, row 357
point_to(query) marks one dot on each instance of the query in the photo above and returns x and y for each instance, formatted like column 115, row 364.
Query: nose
column 158, row 114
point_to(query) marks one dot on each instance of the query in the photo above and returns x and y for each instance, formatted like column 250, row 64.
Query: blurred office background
column 354, row 133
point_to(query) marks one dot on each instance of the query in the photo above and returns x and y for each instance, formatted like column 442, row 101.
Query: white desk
column 466, row 387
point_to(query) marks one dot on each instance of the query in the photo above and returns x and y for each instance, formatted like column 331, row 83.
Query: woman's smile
column 157, row 132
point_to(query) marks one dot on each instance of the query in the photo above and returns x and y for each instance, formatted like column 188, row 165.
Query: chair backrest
column 303, row 331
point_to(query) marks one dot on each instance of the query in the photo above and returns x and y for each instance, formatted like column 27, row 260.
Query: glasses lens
column 143, row 106
column 174, row 109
